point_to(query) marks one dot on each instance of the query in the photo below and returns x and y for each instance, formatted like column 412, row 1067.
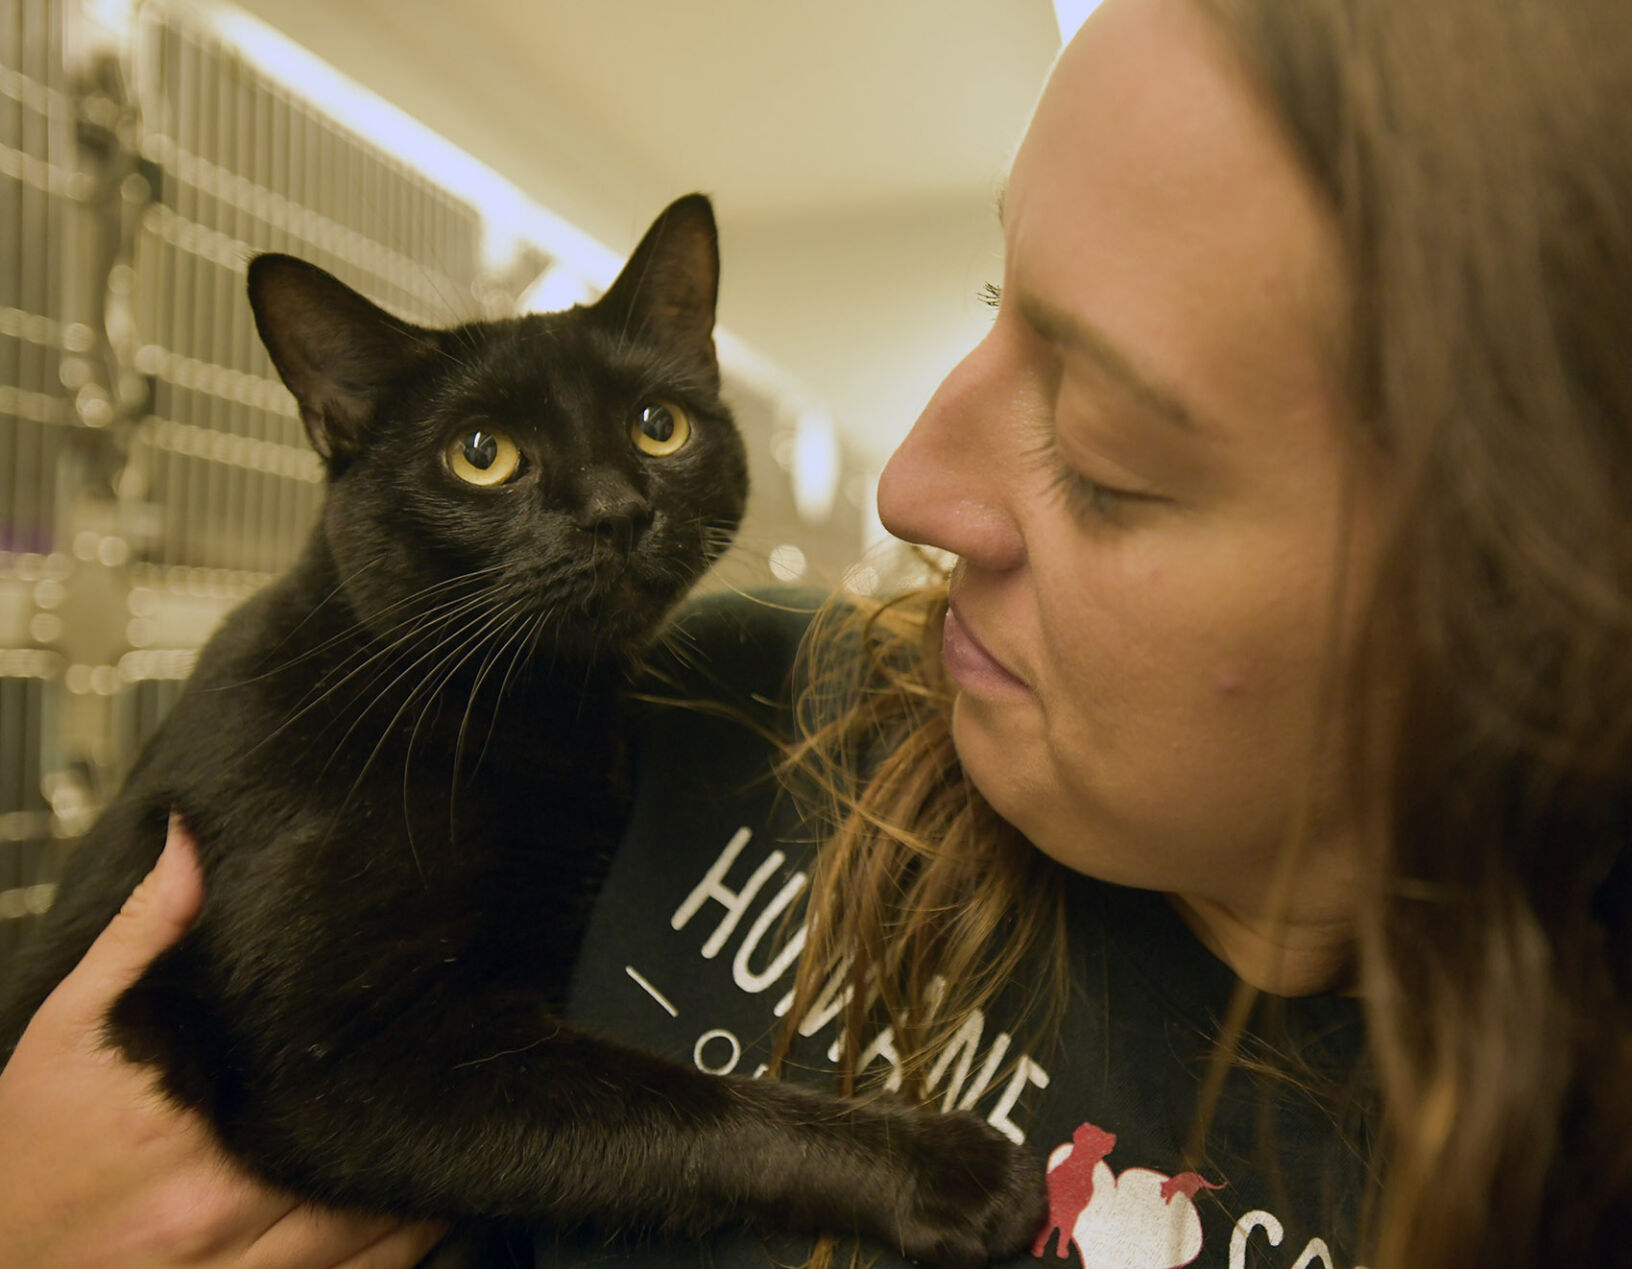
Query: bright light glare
column 787, row 562
column 508, row 215
column 556, row 288
column 1071, row 14
column 860, row 579
column 582, row 266
column 815, row 466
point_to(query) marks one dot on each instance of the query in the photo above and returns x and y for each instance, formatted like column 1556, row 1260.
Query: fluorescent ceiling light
column 816, row 464
column 1070, row 14
column 509, row 216
column 581, row 265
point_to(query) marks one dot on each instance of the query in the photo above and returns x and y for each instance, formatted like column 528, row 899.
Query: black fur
column 398, row 870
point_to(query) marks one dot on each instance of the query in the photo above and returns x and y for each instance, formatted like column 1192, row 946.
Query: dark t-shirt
column 691, row 953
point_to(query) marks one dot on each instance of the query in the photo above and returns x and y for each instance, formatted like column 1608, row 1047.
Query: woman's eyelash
column 1090, row 498
column 1084, row 496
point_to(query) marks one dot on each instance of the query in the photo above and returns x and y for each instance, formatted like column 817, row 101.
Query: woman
column 1292, row 601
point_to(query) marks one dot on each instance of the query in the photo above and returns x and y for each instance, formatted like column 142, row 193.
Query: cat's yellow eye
column 481, row 457
column 660, row 428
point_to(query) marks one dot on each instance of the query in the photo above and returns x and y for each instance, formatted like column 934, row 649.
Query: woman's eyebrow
column 1073, row 334
column 1076, row 335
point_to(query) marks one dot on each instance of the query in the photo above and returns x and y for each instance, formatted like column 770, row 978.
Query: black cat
column 398, row 871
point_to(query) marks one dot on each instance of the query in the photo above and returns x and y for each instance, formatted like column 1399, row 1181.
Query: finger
column 155, row 915
column 402, row 1248
column 323, row 1238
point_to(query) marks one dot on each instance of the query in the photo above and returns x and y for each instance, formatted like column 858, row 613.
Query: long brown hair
column 1479, row 156
column 922, row 898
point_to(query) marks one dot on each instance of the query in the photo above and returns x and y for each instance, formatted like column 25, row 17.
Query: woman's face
column 1145, row 470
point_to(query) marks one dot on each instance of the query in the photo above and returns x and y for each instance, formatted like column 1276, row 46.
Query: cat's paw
column 976, row 1196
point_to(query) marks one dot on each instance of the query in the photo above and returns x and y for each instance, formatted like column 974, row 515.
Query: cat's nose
column 615, row 513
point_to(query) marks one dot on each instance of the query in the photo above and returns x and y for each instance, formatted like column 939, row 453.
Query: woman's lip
column 968, row 662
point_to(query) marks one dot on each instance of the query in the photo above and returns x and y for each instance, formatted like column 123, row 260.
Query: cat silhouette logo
column 1140, row 1219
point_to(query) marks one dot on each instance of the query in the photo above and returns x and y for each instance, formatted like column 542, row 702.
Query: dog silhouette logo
column 1137, row 1219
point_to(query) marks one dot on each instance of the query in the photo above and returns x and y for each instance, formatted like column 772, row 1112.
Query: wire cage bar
column 153, row 471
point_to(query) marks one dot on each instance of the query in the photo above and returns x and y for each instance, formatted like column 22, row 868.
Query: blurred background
column 451, row 160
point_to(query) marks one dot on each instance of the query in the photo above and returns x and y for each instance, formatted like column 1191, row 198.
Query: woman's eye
column 660, row 428
column 1090, row 498
column 1086, row 497
column 481, row 457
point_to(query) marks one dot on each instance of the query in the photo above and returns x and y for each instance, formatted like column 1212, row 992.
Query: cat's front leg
column 433, row 1112
column 945, row 1189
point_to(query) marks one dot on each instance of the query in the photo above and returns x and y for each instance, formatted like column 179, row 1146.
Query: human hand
column 99, row 1169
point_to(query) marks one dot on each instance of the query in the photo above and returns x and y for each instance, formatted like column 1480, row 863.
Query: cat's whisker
column 431, row 685
column 443, row 677
column 467, row 581
column 370, row 651
column 429, row 692
column 369, row 655
column 512, row 614
column 519, row 643
column 324, row 602
column 382, row 661
column 583, row 694
column 384, row 693
column 540, row 621
column 676, row 643
column 409, row 602
column 511, row 618
column 308, row 653
column 420, row 623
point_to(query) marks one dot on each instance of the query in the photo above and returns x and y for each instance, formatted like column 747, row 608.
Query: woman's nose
column 947, row 485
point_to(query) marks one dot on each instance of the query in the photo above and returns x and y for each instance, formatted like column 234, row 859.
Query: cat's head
column 574, row 472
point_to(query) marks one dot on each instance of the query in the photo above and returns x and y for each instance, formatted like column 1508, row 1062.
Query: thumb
column 155, row 915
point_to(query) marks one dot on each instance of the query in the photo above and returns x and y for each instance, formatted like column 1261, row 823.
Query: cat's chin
column 628, row 624
column 618, row 606
column 618, row 622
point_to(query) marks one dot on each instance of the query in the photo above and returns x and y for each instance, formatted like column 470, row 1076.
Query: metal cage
column 155, row 472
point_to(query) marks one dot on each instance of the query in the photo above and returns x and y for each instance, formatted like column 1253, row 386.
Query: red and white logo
column 1138, row 1219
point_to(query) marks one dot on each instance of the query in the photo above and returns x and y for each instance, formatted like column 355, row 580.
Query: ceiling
column 782, row 108
column 778, row 109
column 852, row 148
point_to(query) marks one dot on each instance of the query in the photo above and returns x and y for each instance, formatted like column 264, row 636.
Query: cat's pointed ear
column 336, row 351
column 672, row 280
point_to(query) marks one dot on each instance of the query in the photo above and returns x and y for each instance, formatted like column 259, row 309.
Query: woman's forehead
column 1155, row 198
